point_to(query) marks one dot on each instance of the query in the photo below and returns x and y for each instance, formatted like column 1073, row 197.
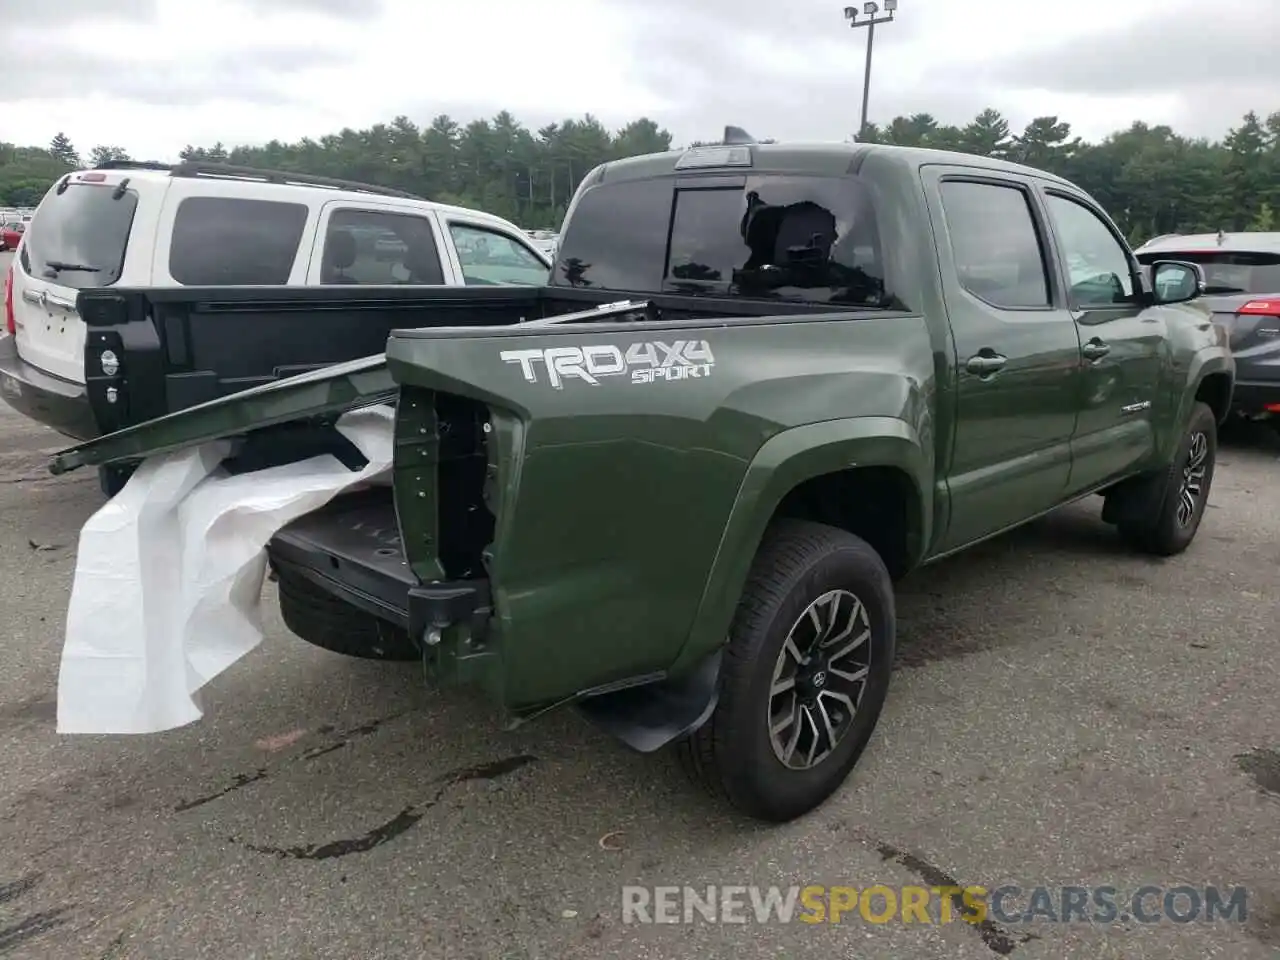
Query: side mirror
column 1176, row 281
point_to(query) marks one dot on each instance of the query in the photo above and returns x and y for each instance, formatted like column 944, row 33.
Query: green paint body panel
column 621, row 493
column 627, row 512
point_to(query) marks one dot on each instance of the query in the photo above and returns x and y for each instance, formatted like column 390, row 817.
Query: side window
column 232, row 241
column 995, row 245
column 374, row 247
column 1098, row 267
column 594, row 253
column 490, row 257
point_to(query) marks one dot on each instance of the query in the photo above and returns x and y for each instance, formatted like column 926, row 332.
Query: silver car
column 1243, row 275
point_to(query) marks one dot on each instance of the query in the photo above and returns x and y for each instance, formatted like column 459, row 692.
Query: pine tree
column 62, row 150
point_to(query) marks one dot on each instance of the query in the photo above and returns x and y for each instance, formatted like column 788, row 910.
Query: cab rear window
column 1230, row 271
column 798, row 238
column 78, row 237
column 231, row 241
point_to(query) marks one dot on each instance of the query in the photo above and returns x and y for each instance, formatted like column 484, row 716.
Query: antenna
column 736, row 135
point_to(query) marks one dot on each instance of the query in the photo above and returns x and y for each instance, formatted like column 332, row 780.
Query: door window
column 490, row 257
column 1098, row 267
column 233, row 241
column 375, row 247
column 995, row 245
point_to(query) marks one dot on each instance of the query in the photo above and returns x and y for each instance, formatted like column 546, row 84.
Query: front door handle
column 985, row 364
column 1095, row 349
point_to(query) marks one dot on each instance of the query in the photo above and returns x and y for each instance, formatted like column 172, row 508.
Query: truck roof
column 820, row 159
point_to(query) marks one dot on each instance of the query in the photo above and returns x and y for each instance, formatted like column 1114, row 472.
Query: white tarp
column 169, row 573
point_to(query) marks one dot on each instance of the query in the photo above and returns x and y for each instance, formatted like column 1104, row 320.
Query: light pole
column 871, row 11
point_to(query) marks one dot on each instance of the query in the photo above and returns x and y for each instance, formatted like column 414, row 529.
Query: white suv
column 212, row 224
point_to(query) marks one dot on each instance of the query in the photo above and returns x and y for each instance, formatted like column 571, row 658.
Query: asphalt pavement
column 1063, row 713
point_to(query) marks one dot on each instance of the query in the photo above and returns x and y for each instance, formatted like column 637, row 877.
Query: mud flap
column 647, row 718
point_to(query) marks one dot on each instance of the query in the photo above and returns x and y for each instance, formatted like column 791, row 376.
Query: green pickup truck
column 674, row 486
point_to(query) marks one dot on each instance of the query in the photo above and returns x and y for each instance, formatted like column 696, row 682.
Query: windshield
column 1229, row 271
column 78, row 237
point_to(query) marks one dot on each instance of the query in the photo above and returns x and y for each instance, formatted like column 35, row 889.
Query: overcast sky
column 153, row 75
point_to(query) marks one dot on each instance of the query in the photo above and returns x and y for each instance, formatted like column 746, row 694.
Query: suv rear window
column 231, row 241
column 85, row 226
column 1230, row 271
column 803, row 238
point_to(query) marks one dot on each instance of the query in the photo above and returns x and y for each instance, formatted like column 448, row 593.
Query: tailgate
column 48, row 331
column 308, row 395
column 76, row 241
column 173, row 348
column 318, row 393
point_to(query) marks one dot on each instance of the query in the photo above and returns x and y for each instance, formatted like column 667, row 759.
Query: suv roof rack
column 211, row 168
column 204, row 168
column 133, row 165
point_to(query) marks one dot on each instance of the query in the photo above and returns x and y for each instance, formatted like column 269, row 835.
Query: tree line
column 1150, row 178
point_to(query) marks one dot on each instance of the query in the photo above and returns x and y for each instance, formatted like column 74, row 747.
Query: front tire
column 804, row 675
column 1168, row 509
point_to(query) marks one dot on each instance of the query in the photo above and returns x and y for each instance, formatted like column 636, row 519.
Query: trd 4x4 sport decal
column 648, row 362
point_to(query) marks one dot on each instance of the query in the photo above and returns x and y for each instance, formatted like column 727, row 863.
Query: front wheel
column 804, row 676
column 1167, row 510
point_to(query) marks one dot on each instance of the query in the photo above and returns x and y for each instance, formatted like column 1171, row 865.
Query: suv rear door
column 77, row 240
column 362, row 242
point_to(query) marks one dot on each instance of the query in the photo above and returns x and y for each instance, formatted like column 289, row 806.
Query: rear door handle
column 1095, row 349
column 985, row 364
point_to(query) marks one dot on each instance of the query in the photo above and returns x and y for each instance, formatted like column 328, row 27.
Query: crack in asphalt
column 401, row 822
column 33, row 925
column 242, row 780
column 997, row 939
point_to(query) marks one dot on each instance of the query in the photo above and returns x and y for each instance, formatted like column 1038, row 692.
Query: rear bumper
column 1254, row 397
column 350, row 549
column 44, row 398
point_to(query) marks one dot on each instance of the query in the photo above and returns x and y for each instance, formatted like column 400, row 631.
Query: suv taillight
column 1269, row 307
column 10, row 321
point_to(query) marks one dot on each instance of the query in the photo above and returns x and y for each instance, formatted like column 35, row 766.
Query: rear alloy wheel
column 804, row 675
column 819, row 679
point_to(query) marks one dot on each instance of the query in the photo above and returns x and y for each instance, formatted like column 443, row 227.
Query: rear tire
column 1166, row 511
column 817, row 610
column 327, row 622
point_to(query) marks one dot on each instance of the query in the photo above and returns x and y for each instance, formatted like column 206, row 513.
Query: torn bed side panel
column 331, row 390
